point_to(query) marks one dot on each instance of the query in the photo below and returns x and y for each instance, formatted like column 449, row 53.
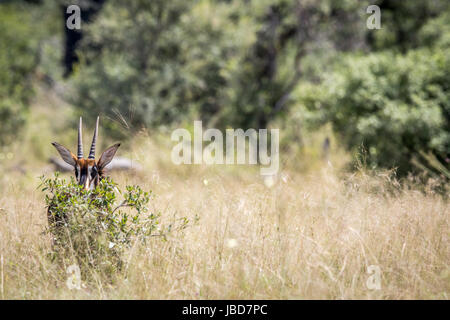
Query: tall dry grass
column 309, row 235
column 300, row 236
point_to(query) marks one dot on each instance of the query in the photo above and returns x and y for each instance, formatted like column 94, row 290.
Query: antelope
column 88, row 172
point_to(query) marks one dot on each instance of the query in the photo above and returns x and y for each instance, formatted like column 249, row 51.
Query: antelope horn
column 80, row 140
column 94, row 141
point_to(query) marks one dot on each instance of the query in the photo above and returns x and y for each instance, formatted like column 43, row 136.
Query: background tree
column 241, row 64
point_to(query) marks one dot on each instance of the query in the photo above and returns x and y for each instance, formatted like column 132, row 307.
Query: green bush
column 95, row 227
column 151, row 63
column 402, row 23
column 18, row 59
column 130, row 64
column 396, row 106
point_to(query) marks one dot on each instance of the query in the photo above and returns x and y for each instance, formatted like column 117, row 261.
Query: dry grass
column 309, row 236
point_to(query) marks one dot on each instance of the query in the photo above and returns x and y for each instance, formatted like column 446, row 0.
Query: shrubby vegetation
column 404, row 23
column 17, row 61
column 240, row 65
column 231, row 64
column 250, row 64
column 95, row 227
column 395, row 106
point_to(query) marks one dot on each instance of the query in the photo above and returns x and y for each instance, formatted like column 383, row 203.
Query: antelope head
column 88, row 172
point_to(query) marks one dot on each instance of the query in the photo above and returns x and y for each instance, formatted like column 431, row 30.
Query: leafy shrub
column 403, row 21
column 130, row 68
column 396, row 106
column 17, row 62
column 151, row 63
column 94, row 226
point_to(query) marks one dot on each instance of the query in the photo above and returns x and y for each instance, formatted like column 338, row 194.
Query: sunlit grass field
column 301, row 235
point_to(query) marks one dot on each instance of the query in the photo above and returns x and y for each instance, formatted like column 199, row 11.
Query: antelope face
column 88, row 172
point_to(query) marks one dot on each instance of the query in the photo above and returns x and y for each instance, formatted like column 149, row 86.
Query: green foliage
column 133, row 54
column 228, row 63
column 289, row 46
column 436, row 33
column 395, row 106
column 95, row 226
column 17, row 61
column 246, row 64
column 403, row 23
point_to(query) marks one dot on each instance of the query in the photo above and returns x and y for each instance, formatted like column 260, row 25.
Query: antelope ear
column 107, row 156
column 65, row 154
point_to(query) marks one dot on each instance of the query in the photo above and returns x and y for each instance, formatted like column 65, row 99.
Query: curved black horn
column 80, row 140
column 94, row 141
